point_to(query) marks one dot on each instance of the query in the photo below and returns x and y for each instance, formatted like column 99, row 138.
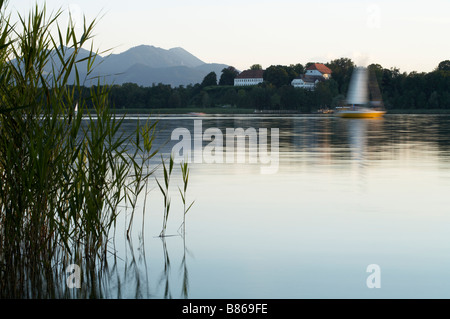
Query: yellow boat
column 360, row 113
column 357, row 97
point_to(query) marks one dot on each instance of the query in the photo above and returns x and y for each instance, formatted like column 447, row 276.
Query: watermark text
column 234, row 143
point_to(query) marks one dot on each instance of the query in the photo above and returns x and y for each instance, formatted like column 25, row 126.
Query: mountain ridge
column 143, row 65
column 146, row 65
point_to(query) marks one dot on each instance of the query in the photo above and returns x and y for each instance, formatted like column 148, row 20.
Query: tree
column 390, row 83
column 206, row 100
column 444, row 66
column 325, row 93
column 288, row 100
column 210, row 79
column 175, row 100
column 377, row 69
column 259, row 98
column 276, row 75
column 256, row 67
column 298, row 68
column 229, row 97
column 228, row 76
column 433, row 101
column 341, row 72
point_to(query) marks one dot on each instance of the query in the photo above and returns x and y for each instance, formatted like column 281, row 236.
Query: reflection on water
column 348, row 193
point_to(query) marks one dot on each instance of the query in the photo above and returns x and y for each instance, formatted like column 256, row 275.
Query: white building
column 315, row 73
column 305, row 82
column 249, row 77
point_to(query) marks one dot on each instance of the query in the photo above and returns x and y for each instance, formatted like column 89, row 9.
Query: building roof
column 310, row 78
column 319, row 67
column 250, row 74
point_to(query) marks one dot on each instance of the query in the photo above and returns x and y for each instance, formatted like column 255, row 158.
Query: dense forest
column 411, row 91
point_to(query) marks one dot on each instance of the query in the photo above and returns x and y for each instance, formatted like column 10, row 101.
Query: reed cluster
column 64, row 170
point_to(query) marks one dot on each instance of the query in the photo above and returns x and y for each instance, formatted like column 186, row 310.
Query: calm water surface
column 347, row 194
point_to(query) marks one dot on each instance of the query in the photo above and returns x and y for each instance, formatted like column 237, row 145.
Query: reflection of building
column 249, row 77
column 315, row 73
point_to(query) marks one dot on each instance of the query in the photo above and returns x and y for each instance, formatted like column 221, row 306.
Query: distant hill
column 175, row 76
column 147, row 65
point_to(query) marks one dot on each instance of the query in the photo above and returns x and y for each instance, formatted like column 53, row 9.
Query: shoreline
column 236, row 111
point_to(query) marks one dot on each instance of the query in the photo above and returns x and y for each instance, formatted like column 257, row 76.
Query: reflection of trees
column 384, row 137
column 329, row 136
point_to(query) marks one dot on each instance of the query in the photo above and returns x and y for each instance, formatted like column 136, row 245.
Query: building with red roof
column 318, row 69
column 315, row 73
column 249, row 77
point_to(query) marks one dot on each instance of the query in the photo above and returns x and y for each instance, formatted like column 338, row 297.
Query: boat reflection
column 360, row 131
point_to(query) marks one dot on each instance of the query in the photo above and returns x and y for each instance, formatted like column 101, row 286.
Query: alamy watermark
column 374, row 279
column 190, row 146
column 373, row 16
column 73, row 279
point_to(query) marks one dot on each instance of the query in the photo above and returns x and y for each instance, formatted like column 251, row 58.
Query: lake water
column 347, row 193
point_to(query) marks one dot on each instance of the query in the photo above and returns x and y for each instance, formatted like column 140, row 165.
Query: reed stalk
column 167, row 171
column 185, row 175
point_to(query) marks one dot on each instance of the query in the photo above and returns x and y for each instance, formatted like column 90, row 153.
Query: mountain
column 144, row 65
column 150, row 56
column 147, row 65
column 175, row 76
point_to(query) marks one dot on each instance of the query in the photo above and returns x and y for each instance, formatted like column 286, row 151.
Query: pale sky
column 409, row 34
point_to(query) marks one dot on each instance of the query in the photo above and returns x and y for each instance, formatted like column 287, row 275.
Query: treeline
column 399, row 90
column 260, row 97
column 415, row 90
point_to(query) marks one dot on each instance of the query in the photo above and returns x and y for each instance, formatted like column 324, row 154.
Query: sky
column 411, row 35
